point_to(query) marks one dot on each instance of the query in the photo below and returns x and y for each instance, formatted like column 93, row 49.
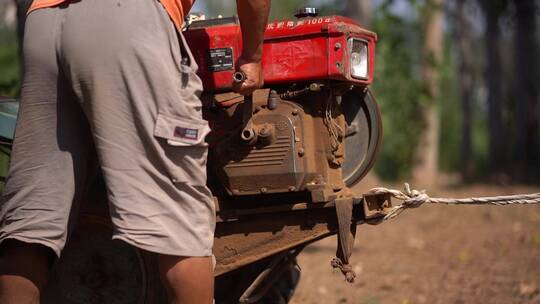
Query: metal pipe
column 239, row 77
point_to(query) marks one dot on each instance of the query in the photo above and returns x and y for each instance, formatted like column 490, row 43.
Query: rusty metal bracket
column 376, row 205
column 346, row 235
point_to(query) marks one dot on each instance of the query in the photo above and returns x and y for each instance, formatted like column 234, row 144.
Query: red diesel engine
column 314, row 128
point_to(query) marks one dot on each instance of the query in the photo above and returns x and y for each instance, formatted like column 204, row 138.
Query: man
column 115, row 77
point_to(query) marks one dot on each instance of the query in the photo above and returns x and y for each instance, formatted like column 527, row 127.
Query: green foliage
column 4, row 164
column 398, row 88
column 9, row 81
column 9, row 63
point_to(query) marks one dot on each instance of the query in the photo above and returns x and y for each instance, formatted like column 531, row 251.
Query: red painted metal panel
column 201, row 40
column 295, row 59
column 306, row 49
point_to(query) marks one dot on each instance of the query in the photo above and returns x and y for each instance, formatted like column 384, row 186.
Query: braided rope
column 414, row 199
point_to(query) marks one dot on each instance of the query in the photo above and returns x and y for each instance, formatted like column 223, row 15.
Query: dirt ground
column 435, row 254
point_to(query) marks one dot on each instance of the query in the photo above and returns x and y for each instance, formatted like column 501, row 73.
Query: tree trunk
column 466, row 85
column 426, row 166
column 497, row 132
column 360, row 10
column 527, row 113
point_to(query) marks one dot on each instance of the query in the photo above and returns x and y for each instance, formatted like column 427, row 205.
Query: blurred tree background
column 457, row 81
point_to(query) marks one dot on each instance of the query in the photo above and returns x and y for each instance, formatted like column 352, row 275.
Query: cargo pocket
column 181, row 131
column 184, row 146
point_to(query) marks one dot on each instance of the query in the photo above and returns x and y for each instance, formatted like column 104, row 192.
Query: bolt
column 273, row 100
column 263, row 190
column 337, row 46
column 292, row 188
column 301, row 152
column 295, row 112
column 315, row 87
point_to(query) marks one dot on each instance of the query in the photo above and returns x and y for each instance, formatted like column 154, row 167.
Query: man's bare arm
column 253, row 16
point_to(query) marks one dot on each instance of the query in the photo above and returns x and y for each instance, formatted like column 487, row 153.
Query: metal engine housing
column 292, row 152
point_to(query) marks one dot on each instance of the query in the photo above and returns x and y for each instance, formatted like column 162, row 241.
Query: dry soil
column 435, row 254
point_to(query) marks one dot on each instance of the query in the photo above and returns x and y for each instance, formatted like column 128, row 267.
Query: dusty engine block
column 293, row 151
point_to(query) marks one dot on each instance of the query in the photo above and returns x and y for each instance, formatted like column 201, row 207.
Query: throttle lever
column 248, row 134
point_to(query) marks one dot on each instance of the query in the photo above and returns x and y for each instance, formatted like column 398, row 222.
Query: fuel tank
column 300, row 50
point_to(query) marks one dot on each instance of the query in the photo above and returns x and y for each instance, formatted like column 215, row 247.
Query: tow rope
column 415, row 198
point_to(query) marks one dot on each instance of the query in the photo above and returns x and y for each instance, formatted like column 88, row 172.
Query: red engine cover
column 299, row 50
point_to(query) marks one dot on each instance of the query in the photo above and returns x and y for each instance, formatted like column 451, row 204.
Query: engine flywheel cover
column 363, row 136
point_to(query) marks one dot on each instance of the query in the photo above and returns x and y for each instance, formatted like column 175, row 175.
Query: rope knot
column 415, row 198
column 346, row 269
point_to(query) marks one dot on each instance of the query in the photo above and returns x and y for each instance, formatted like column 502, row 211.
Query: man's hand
column 253, row 15
column 254, row 77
